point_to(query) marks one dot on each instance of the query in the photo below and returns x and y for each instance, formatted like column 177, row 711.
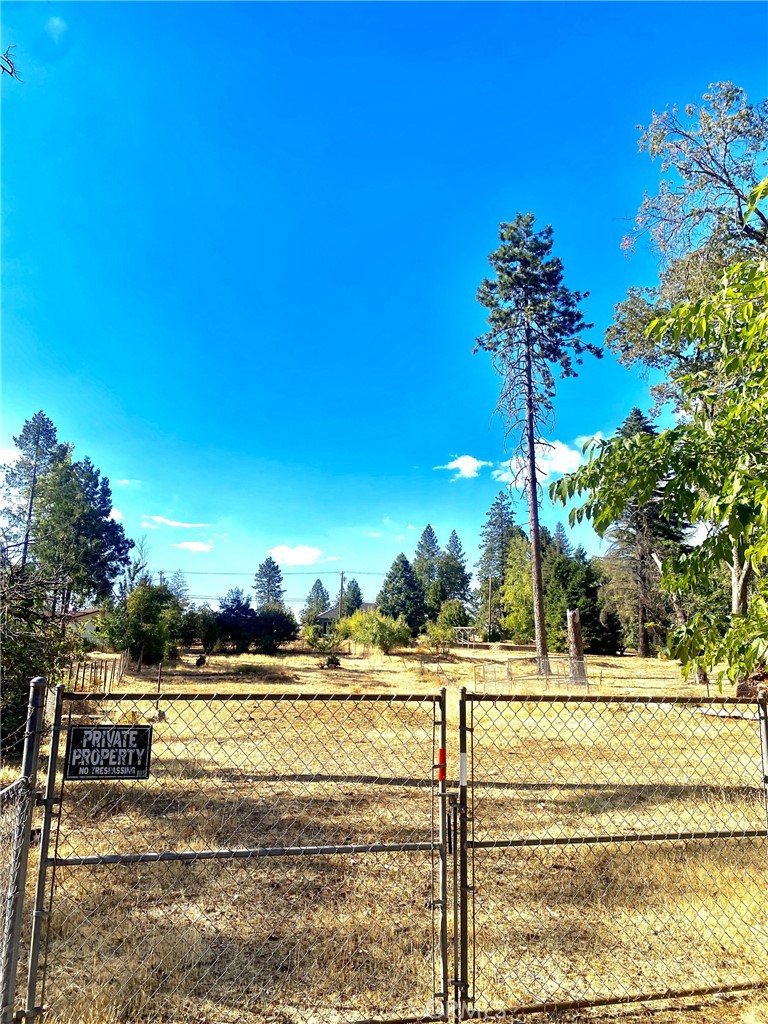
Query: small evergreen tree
column 352, row 599
column 237, row 620
column 318, row 601
column 401, row 595
column 268, row 583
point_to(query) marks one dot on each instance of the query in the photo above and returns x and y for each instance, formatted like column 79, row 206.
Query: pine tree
column 352, row 599
column 575, row 583
column 535, row 325
column 74, row 537
column 268, row 583
column 401, row 594
column 426, row 560
column 39, row 450
column 452, row 571
column 318, row 601
column 496, row 537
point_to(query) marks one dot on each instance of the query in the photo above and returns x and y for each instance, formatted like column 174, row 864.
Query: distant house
column 326, row 619
column 88, row 621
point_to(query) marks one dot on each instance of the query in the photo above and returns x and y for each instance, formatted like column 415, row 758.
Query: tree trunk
column 741, row 577
column 542, row 654
column 643, row 640
column 30, row 506
column 576, row 647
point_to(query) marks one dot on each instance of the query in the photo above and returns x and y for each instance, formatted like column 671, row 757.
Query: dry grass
column 305, row 940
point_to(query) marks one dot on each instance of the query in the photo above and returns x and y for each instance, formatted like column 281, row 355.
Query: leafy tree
column 179, row 588
column 535, row 325
column 700, row 221
column 74, row 536
column 208, row 628
column 352, row 599
column 640, row 539
column 268, row 583
column 318, row 601
column 33, row 643
column 496, row 536
column 452, row 570
column 427, row 558
column 152, row 621
column 237, row 620
column 709, row 470
column 440, row 637
column 517, row 592
column 714, row 152
column 373, row 629
column 453, row 613
column 401, row 595
column 39, row 449
column 274, row 626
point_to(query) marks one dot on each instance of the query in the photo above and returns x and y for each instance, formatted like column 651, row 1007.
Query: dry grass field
column 331, row 937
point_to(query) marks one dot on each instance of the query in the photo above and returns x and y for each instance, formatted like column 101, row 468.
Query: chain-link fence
column 615, row 849
column 17, row 803
column 15, row 810
column 282, row 862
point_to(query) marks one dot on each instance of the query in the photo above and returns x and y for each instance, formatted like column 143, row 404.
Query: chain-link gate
column 301, row 860
column 614, row 850
column 284, row 861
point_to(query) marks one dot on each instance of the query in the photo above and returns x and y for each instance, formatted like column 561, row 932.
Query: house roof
column 333, row 613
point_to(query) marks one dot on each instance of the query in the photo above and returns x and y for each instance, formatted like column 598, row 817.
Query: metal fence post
column 444, row 844
column 39, row 916
column 462, row 973
column 15, row 900
column 762, row 714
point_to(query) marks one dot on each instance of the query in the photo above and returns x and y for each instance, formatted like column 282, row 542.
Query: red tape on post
column 441, row 766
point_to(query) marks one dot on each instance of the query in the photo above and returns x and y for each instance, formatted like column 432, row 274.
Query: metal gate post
column 40, row 915
column 444, row 844
column 35, row 719
column 462, row 968
column 762, row 714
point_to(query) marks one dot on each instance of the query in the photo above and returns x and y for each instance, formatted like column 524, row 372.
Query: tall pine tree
column 426, row 560
column 318, row 601
column 535, row 326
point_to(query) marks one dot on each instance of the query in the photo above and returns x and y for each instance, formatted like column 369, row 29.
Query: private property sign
column 108, row 752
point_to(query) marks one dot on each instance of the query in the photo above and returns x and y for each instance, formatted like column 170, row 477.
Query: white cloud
column 150, row 526
column 127, row 483
column 115, row 514
column 374, row 534
column 410, row 526
column 194, row 545
column 172, row 522
column 585, row 438
column 465, row 466
column 553, row 458
column 302, row 554
column 56, row 28
column 9, row 456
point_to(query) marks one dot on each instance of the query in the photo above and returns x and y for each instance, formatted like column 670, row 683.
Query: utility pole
column 341, row 595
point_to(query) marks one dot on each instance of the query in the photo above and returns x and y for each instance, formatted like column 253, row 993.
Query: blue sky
column 242, row 243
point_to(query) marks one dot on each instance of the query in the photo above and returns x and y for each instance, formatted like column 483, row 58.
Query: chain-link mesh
column 15, row 809
column 304, row 879
column 616, row 848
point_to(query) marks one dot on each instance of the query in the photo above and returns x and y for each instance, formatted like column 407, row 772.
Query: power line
column 322, row 572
